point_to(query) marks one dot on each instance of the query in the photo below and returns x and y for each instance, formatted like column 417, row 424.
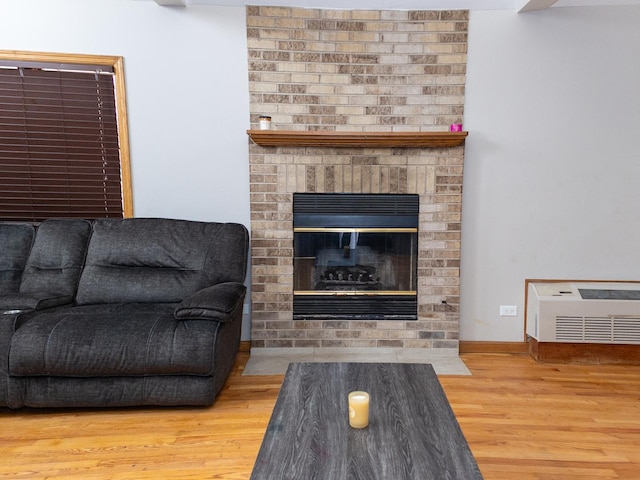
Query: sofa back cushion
column 160, row 260
column 15, row 241
column 57, row 256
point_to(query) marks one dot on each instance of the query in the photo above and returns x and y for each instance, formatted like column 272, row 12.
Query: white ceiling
column 517, row 5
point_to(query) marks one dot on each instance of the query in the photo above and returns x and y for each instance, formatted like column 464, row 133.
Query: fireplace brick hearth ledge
column 359, row 76
column 274, row 361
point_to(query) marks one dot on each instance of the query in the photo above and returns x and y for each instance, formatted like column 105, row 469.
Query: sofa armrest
column 33, row 301
column 217, row 302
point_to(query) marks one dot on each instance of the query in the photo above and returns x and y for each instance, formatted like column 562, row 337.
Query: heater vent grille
column 352, row 210
column 355, row 307
column 355, row 204
column 609, row 329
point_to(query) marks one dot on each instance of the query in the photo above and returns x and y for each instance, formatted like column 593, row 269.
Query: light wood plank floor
column 523, row 421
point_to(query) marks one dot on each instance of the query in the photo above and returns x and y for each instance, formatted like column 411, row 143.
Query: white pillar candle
column 358, row 409
column 265, row 122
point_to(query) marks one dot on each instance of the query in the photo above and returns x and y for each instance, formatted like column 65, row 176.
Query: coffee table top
column 412, row 432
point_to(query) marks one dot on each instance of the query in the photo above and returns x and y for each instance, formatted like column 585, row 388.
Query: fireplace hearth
column 355, row 256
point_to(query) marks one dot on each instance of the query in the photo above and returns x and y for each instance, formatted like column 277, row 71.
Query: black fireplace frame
column 356, row 211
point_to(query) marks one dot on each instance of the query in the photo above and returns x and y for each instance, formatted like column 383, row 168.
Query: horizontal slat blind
column 59, row 151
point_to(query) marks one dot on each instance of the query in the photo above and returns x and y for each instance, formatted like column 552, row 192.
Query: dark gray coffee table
column 412, row 432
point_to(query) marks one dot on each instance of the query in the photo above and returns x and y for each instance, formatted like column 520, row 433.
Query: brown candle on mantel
column 358, row 409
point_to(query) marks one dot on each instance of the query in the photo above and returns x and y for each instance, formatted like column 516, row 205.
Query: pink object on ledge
column 455, row 127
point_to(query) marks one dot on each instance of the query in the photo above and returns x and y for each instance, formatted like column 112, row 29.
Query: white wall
column 189, row 155
column 552, row 161
column 552, row 106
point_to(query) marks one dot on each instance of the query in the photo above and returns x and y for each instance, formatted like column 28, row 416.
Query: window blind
column 59, row 150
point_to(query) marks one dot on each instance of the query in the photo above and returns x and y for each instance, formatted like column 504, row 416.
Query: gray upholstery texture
column 119, row 312
column 6, row 333
column 111, row 340
column 57, row 257
column 212, row 303
column 123, row 265
column 63, row 392
column 33, row 301
column 15, row 245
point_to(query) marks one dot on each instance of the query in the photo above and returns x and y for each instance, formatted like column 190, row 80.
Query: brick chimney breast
column 356, row 70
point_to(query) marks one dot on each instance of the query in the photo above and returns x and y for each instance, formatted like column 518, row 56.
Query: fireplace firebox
column 355, row 256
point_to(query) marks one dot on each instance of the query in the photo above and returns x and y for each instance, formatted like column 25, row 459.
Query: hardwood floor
column 523, row 421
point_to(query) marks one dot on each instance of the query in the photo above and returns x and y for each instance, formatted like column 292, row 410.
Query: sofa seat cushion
column 111, row 340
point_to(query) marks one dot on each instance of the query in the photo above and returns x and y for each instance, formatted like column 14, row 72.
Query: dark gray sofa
column 113, row 312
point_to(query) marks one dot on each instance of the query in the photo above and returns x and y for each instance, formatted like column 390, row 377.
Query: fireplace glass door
column 352, row 261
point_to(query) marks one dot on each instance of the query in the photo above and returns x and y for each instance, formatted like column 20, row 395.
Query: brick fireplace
column 359, row 71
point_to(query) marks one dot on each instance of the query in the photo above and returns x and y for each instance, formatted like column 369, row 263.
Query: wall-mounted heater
column 607, row 312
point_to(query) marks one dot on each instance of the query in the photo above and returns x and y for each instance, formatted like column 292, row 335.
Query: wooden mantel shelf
column 294, row 138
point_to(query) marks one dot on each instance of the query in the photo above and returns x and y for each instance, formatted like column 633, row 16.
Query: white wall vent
column 584, row 313
column 598, row 329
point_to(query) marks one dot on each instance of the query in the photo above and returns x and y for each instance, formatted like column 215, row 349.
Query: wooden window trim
column 117, row 63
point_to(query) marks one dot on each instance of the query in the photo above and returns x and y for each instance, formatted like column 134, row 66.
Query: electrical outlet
column 508, row 310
